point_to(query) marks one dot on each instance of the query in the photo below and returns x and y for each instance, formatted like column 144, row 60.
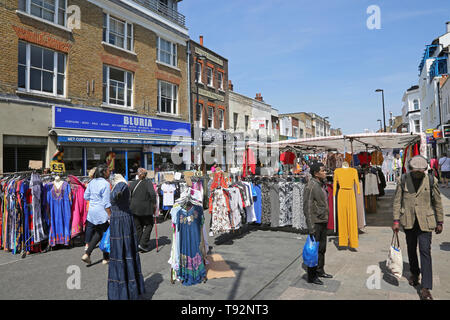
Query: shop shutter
column 24, row 155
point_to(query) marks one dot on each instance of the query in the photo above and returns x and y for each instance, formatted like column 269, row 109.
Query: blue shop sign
column 72, row 118
column 119, row 141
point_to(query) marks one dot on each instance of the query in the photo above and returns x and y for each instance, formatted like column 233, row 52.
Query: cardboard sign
column 168, row 177
column 35, row 164
column 150, row 174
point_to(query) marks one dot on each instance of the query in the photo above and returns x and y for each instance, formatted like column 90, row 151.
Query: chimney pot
column 230, row 85
column 448, row 26
column 201, row 40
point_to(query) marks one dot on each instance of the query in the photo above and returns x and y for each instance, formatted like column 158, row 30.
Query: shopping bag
column 395, row 260
column 311, row 252
column 104, row 244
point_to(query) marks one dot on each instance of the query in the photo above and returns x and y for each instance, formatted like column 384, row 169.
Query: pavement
column 267, row 265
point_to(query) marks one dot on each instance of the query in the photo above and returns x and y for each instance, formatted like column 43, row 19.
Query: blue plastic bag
column 311, row 252
column 104, row 244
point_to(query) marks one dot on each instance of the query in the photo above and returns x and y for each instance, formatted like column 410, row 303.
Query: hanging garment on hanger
column 219, row 208
column 371, row 184
column 79, row 211
column 266, row 207
column 286, row 199
column 347, row 214
column 236, row 207
column 274, row 195
column 377, row 158
column 39, row 233
column 330, row 225
column 60, row 208
column 258, row 202
column 298, row 216
column 361, row 213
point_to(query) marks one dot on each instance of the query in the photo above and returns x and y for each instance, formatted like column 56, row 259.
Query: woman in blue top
column 98, row 194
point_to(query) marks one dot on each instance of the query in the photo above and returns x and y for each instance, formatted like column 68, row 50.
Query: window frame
column 210, row 117
column 235, row 120
column 199, row 79
column 210, row 81
column 220, row 80
column 199, row 113
column 173, row 54
column 221, row 116
column 28, row 67
column 108, row 98
column 173, row 98
column 107, row 29
column 414, row 104
column 25, row 6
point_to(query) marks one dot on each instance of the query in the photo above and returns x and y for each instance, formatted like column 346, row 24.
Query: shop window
column 16, row 158
column 73, row 160
column 41, row 70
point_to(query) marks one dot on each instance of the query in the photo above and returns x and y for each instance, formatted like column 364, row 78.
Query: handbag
column 104, row 244
column 311, row 252
column 395, row 260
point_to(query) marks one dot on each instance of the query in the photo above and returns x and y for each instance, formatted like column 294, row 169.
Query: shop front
column 125, row 142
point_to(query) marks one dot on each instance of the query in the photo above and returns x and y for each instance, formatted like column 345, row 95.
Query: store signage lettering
column 446, row 131
column 211, row 95
column 72, row 118
column 119, row 141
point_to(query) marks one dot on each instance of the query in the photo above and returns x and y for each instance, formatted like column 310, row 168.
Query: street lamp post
column 384, row 117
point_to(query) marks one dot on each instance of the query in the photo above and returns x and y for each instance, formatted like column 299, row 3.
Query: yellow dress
column 346, row 206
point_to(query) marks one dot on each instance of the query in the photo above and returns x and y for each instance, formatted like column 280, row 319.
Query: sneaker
column 86, row 258
column 425, row 294
column 105, row 261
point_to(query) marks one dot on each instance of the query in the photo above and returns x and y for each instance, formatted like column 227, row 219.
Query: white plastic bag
column 395, row 260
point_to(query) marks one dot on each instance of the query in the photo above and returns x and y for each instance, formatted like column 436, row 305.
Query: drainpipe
column 190, row 116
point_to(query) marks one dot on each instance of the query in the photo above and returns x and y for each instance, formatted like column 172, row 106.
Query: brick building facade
column 124, row 59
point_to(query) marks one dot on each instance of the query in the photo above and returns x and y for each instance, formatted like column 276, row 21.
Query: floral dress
column 220, row 220
column 298, row 216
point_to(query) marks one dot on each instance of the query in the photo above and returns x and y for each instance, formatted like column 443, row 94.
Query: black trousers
column 144, row 226
column 321, row 236
column 414, row 236
column 96, row 236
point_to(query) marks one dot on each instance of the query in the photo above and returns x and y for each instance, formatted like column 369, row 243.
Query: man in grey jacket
column 315, row 207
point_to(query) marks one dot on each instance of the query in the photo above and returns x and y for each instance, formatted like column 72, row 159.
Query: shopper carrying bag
column 395, row 259
column 311, row 252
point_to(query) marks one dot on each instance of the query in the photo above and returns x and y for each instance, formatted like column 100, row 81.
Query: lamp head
column 379, row 90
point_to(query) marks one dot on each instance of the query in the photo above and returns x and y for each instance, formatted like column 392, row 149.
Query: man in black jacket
column 143, row 202
column 315, row 207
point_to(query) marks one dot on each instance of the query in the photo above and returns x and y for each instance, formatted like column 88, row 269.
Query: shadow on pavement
column 151, row 285
column 388, row 277
column 238, row 270
column 162, row 241
column 445, row 246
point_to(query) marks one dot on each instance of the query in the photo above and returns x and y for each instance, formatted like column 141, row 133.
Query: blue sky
column 319, row 56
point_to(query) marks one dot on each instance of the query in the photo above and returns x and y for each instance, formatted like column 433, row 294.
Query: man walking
column 143, row 201
column 444, row 168
column 397, row 166
column 418, row 208
column 315, row 206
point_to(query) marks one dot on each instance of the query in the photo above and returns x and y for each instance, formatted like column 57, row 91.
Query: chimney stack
column 258, row 97
column 230, row 85
column 201, row 40
column 448, row 26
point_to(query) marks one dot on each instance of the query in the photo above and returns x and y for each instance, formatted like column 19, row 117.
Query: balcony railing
column 163, row 10
column 429, row 51
column 438, row 67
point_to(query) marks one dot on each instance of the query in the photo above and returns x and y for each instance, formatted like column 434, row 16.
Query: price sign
column 56, row 166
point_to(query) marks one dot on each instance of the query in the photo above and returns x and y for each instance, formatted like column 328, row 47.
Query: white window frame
column 199, row 79
column 28, row 68
column 210, row 80
column 173, row 52
column 414, row 105
column 221, row 119
column 220, row 79
column 199, row 115
column 108, row 83
column 173, row 98
column 210, row 117
column 55, row 13
column 416, row 126
column 125, row 35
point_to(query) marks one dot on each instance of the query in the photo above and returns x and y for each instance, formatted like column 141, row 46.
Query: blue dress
column 60, row 208
column 189, row 225
column 125, row 279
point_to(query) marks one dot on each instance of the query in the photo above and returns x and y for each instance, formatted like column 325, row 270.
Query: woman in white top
column 444, row 167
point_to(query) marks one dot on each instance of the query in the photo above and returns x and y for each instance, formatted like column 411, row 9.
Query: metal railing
column 163, row 10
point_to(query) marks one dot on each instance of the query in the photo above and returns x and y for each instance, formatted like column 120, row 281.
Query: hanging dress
column 298, row 215
column 60, row 209
column 79, row 207
column 191, row 269
column 346, row 206
column 38, row 223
